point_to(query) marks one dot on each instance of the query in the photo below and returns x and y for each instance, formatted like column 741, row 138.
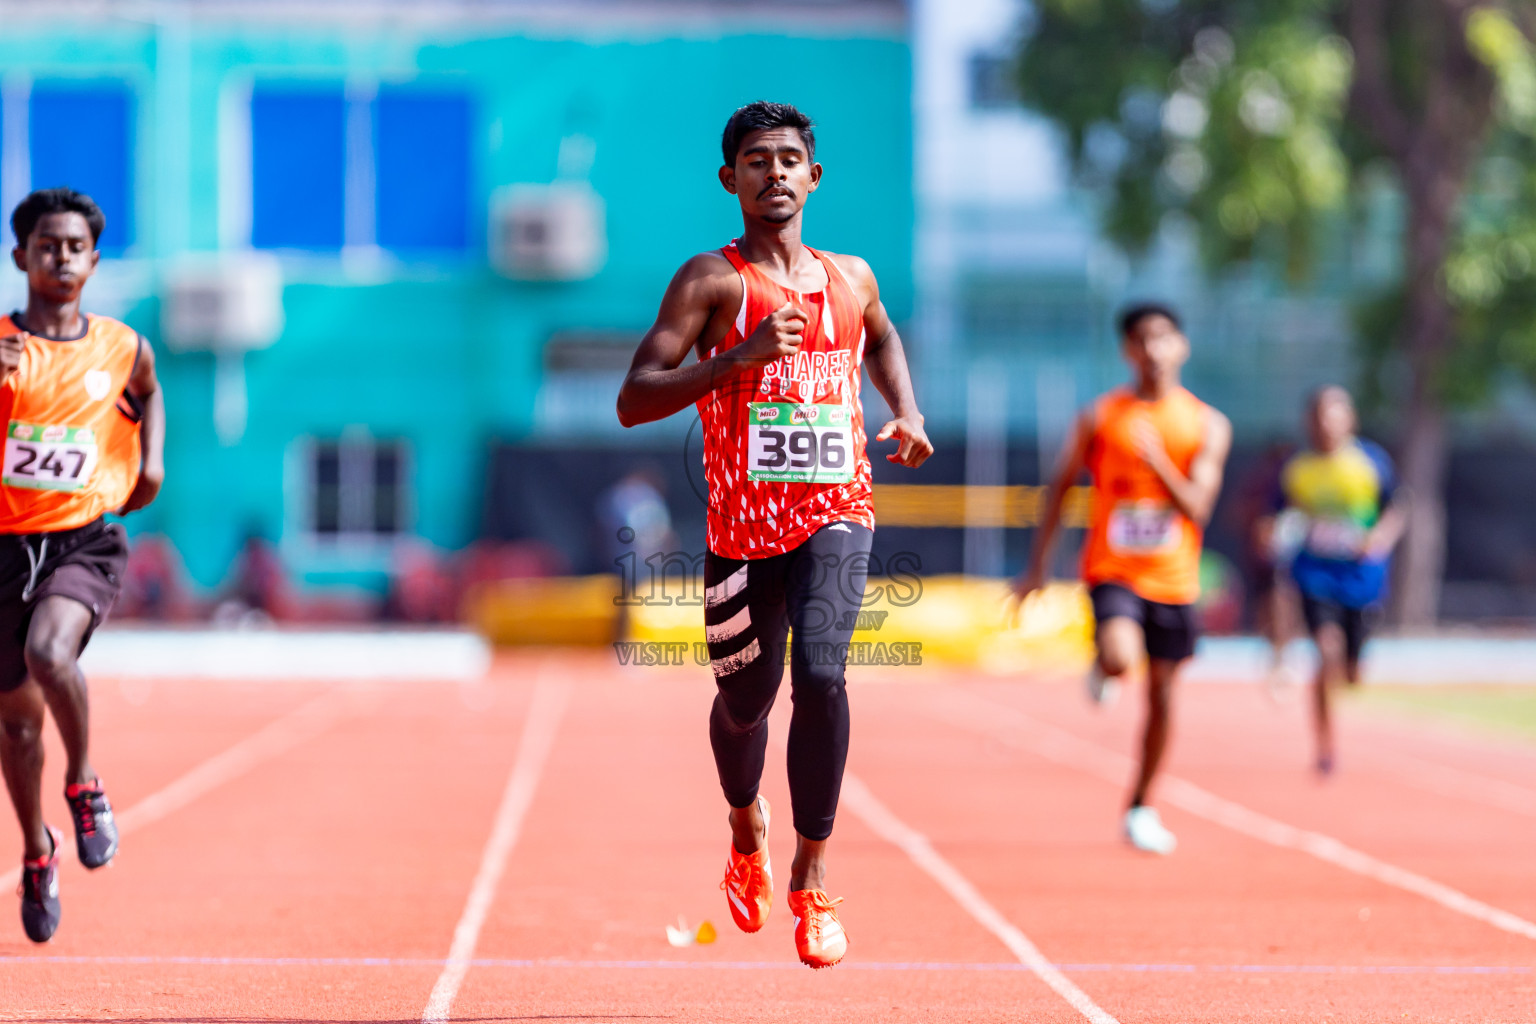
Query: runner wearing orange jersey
column 1155, row 454
column 84, row 432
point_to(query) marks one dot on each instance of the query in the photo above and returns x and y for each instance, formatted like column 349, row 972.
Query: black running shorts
column 1353, row 621
column 1170, row 630
column 84, row 565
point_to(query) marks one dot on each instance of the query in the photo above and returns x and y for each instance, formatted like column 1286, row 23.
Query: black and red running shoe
column 39, row 892
column 95, row 828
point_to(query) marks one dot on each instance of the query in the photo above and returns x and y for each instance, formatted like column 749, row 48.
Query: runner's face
column 59, row 257
column 1157, row 349
column 773, row 175
column 1332, row 422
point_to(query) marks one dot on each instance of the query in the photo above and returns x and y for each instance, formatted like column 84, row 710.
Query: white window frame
column 349, row 546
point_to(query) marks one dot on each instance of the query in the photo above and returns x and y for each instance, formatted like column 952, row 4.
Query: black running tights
column 750, row 608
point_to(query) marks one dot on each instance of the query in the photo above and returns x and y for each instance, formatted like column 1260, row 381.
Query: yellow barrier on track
column 562, row 611
column 960, row 505
column 954, row 620
column 951, row 620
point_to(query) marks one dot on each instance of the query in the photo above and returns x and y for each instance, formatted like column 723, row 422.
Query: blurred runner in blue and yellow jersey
column 1338, row 517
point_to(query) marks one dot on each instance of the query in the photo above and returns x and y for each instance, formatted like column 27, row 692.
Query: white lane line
column 549, row 700
column 280, row 736
column 863, row 803
column 1015, row 728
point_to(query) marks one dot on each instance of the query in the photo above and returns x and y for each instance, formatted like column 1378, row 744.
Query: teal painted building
column 364, row 154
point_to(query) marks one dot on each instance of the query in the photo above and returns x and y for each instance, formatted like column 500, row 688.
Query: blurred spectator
column 634, row 517
column 422, row 587
column 153, row 583
column 260, row 592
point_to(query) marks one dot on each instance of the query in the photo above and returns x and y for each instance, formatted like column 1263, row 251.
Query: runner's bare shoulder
column 702, row 301
column 710, row 278
column 859, row 274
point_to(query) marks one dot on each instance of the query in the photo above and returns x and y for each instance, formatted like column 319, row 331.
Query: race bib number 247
column 799, row 443
column 44, row 458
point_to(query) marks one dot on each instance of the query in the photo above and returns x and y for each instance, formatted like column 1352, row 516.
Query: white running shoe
column 1103, row 689
column 1145, row 831
column 1282, row 682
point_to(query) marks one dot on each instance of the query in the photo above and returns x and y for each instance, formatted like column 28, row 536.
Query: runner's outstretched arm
column 1074, row 456
column 887, row 363
column 658, row 385
column 145, row 387
column 1195, row 495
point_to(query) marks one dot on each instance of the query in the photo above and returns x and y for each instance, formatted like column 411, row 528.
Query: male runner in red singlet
column 780, row 330
column 84, row 436
column 1156, row 454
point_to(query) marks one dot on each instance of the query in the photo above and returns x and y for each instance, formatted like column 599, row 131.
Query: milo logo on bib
column 799, row 443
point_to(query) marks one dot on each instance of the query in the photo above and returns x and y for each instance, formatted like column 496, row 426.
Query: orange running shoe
column 819, row 935
column 748, row 882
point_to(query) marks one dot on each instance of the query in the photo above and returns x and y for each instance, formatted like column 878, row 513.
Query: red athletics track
column 307, row 853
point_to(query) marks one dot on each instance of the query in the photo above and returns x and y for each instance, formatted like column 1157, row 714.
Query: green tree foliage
column 1490, row 275
column 1267, row 122
column 1232, row 112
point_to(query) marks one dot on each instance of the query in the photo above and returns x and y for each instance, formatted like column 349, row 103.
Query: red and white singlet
column 784, row 445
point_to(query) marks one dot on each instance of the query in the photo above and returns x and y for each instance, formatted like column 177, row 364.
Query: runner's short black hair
column 759, row 117
column 55, row 200
column 1135, row 314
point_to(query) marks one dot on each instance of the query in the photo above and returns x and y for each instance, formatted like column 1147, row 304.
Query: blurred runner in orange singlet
column 1155, row 454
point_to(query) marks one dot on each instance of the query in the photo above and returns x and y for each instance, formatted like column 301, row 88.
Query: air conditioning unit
column 224, row 303
column 548, row 232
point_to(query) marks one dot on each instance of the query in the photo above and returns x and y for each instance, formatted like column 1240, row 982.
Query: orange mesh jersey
column 71, row 433
column 1137, row 537
column 784, row 444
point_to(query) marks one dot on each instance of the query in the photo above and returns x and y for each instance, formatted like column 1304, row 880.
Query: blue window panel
column 421, row 170
column 298, row 168
column 80, row 136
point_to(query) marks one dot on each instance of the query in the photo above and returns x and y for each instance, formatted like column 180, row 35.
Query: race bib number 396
column 792, row 443
column 44, row 458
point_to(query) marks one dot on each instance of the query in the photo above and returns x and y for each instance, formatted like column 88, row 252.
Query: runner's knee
column 745, row 697
column 21, row 728
column 1114, row 662
column 815, row 679
column 1117, row 652
column 739, row 718
column 51, row 658
column 1118, row 641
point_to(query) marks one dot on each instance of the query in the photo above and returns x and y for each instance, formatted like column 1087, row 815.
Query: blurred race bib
column 1141, row 528
column 1337, row 538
